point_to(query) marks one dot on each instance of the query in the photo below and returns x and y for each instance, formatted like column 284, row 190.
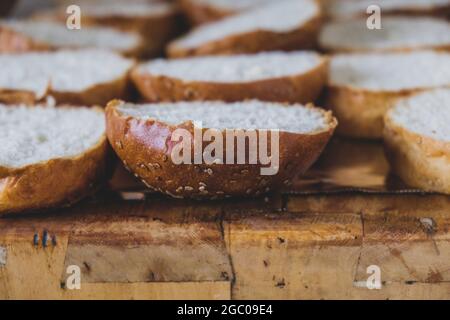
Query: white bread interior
column 339, row 9
column 30, row 135
column 397, row 33
column 280, row 16
column 391, row 71
column 426, row 114
column 65, row 70
column 56, row 34
column 251, row 114
column 236, row 68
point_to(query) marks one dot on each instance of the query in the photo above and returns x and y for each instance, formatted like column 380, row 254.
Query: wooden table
column 314, row 241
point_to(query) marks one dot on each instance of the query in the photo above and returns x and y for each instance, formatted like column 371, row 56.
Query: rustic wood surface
column 315, row 241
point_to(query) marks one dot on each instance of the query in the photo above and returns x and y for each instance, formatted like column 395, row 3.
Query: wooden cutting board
column 317, row 240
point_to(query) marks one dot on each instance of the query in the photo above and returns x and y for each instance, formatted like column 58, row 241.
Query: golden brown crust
column 360, row 112
column 145, row 147
column 303, row 37
column 302, row 88
column 420, row 161
column 17, row 97
column 199, row 13
column 55, row 182
column 339, row 48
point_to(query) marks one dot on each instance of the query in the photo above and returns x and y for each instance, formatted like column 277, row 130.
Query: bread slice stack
column 398, row 33
column 280, row 25
column 417, row 139
column 145, row 139
column 49, row 156
column 341, row 9
column 29, row 35
column 80, row 77
column 156, row 21
column 203, row 11
column 295, row 77
column 363, row 87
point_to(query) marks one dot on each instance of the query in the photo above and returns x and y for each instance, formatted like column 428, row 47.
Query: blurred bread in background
column 363, row 87
column 341, row 9
column 203, row 11
column 29, row 35
column 398, row 33
column 281, row 25
column 157, row 22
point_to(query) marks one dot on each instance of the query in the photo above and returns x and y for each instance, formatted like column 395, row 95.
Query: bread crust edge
column 420, row 161
column 144, row 146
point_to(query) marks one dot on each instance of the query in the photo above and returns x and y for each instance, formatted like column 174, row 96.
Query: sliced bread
column 339, row 9
column 145, row 139
column 398, row 33
column 417, row 140
column 272, row 76
column 49, row 156
column 362, row 87
column 80, row 77
column 29, row 35
column 203, row 11
column 284, row 25
column 156, row 21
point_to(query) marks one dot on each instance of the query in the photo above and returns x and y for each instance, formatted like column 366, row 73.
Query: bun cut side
column 30, row 35
column 157, row 22
column 341, row 9
column 397, row 34
column 296, row 77
column 285, row 25
column 50, row 156
column 79, row 77
column 417, row 140
column 363, row 87
column 143, row 137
